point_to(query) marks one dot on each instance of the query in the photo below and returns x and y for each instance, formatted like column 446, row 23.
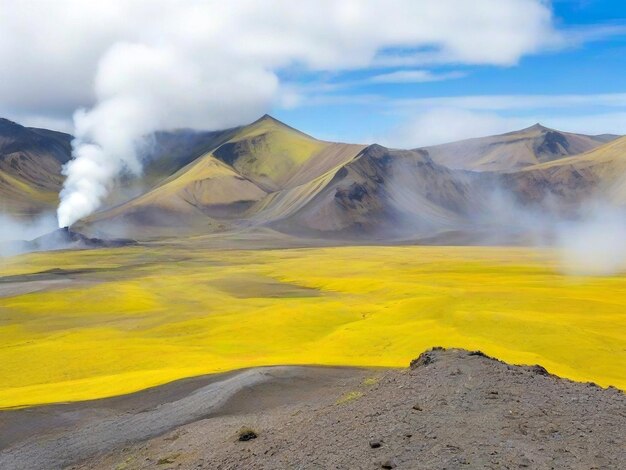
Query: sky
column 404, row 73
column 580, row 87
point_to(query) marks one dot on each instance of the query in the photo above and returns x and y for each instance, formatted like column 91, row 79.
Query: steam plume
column 141, row 89
column 102, row 150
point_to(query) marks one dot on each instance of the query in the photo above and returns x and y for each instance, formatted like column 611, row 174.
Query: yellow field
column 142, row 316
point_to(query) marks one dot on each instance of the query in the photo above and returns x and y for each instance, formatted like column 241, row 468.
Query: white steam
column 13, row 229
column 589, row 240
column 14, row 232
column 140, row 90
column 595, row 245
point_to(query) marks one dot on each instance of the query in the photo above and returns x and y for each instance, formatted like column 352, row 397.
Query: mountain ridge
column 514, row 150
column 269, row 174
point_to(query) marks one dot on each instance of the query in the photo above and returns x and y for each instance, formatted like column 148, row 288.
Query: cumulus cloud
column 142, row 65
column 52, row 49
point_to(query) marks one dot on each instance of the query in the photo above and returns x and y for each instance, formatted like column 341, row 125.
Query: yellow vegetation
column 350, row 396
column 273, row 151
column 141, row 316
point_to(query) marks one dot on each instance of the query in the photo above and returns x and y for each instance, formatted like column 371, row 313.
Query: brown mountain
column 269, row 175
column 514, row 150
column 30, row 167
column 387, row 193
column 599, row 174
column 229, row 185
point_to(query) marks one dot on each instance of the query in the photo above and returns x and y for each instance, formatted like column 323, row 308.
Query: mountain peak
column 271, row 122
column 537, row 127
column 267, row 118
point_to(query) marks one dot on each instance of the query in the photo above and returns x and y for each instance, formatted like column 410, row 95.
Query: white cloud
column 51, row 50
column 334, row 92
column 414, row 76
column 144, row 65
column 570, row 38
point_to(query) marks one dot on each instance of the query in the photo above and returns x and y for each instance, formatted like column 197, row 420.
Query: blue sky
column 595, row 65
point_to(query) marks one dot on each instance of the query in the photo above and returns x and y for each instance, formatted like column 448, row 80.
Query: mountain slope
column 276, row 156
column 311, row 178
column 270, row 175
column 599, row 174
column 514, row 150
column 259, row 173
column 30, row 167
column 169, row 151
column 203, row 189
column 164, row 153
column 388, row 193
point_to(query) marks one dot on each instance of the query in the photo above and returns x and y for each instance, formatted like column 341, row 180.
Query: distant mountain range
column 268, row 174
column 515, row 150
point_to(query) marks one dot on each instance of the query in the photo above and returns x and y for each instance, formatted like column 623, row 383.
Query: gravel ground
column 452, row 409
column 58, row 436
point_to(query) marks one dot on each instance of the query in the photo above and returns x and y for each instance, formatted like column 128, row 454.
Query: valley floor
column 81, row 325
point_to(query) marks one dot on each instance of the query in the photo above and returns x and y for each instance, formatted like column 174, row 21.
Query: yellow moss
column 274, row 151
column 350, row 396
column 371, row 381
column 142, row 316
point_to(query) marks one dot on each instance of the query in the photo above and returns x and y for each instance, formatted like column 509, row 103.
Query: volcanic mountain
column 514, row 150
column 269, row 175
column 31, row 160
column 599, row 174
column 387, row 193
column 265, row 167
